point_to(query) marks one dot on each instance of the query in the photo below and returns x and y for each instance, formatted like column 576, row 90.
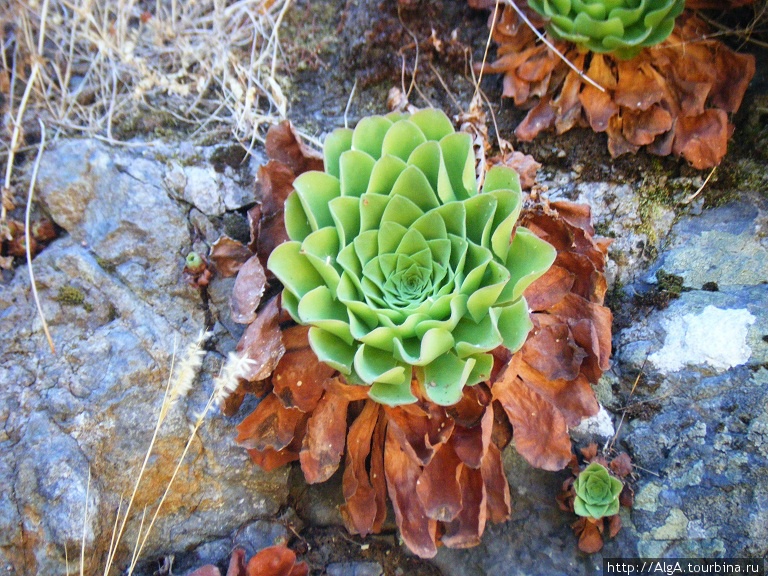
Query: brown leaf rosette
column 673, row 98
column 441, row 467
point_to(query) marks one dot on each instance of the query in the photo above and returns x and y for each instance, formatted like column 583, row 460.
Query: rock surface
column 115, row 301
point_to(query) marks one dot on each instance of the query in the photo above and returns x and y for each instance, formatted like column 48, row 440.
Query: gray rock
column 354, row 569
column 113, row 296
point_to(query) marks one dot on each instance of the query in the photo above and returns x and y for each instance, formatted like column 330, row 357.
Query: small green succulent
column 622, row 27
column 399, row 266
column 597, row 492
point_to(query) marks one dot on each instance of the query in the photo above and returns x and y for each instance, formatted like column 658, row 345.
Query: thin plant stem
column 28, row 239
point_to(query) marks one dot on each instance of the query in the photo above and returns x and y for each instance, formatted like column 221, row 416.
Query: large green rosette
column 401, row 268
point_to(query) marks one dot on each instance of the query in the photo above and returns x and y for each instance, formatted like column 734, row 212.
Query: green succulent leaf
column 401, row 267
column 621, row 27
column 597, row 492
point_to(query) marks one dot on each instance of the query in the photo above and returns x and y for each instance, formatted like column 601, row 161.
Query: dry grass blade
column 27, row 239
column 117, row 69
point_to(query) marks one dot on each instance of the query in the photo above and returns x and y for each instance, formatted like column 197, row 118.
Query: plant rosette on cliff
column 419, row 322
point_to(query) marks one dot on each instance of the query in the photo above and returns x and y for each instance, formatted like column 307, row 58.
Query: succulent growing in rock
column 597, row 492
column 401, row 268
column 621, row 27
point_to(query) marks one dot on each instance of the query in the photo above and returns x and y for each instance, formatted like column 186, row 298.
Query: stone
column 354, row 569
column 90, row 410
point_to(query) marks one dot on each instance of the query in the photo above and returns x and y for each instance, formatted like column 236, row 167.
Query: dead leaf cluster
column 13, row 241
column 271, row 561
column 591, row 531
column 673, row 98
column 440, row 467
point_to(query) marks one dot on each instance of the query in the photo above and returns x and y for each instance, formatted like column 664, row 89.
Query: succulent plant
column 597, row 492
column 621, row 27
column 401, row 268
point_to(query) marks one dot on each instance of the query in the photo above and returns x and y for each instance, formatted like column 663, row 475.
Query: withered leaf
column 299, row 376
column 550, row 288
column 552, row 351
column 614, row 525
column 247, row 292
column 402, row 472
column 284, row 145
column 471, row 443
column 639, row 86
column 324, row 443
column 208, row 570
column 622, row 465
column 420, row 430
column 573, row 308
column 438, row 486
column 270, row 425
column 262, row 342
column 378, row 474
column 496, row 485
column 359, row 509
column 269, row 459
column 540, row 117
column 540, row 431
column 275, row 561
column 590, row 537
column 465, row 531
column 237, row 563
column 702, row 139
column 228, row 255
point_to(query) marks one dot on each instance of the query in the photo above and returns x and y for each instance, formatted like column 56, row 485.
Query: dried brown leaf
column 468, row 527
column 229, row 255
column 359, row 510
column 702, row 139
column 208, row 570
column 438, row 486
column 402, row 473
column 498, row 497
column 262, row 343
column 419, row 429
column 247, row 292
column 237, row 563
column 622, row 465
column 299, row 376
column 270, row 425
column 275, row 561
column 471, row 443
column 540, row 431
column 324, row 443
column 284, row 145
column 590, row 537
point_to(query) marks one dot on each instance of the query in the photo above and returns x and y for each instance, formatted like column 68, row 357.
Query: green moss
column 72, row 296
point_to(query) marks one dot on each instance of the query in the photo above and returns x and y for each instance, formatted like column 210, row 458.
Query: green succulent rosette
column 621, row 27
column 597, row 492
column 399, row 266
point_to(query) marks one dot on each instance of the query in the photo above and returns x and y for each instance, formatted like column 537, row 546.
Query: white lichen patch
column 717, row 337
column 600, row 425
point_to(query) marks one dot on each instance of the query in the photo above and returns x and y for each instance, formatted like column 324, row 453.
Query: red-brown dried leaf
column 247, row 292
column 262, row 343
column 702, row 139
column 589, row 452
column 573, row 308
column 471, row 443
column 550, row 288
column 299, row 376
column 402, row 473
column 378, row 473
column 468, row 527
column 622, row 465
column 419, row 429
column 270, row 425
column 207, row 570
column 326, row 431
column 275, row 561
column 614, row 525
column 590, row 537
column 642, row 127
column 229, row 255
column 438, row 487
column 470, row 409
column 540, row 431
column 540, row 117
column 284, row 145
column 359, row 510
column 237, row 563
column 498, row 497
column 552, row 352
column 269, row 459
